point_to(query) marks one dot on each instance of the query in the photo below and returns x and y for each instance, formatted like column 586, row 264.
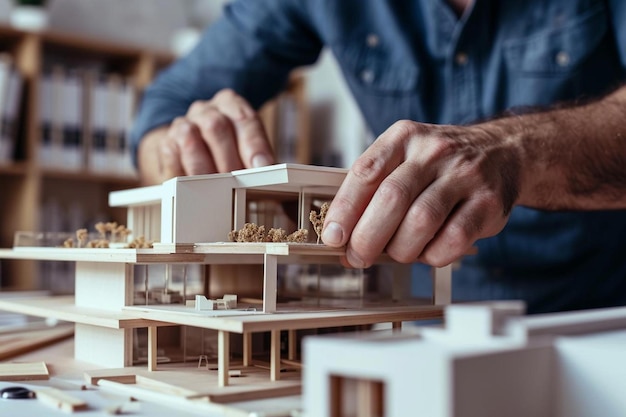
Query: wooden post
column 396, row 325
column 247, row 349
column 442, row 285
column 269, row 283
column 275, row 356
column 292, row 345
column 152, row 348
column 223, row 357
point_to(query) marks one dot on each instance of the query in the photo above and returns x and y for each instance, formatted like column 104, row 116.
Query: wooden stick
column 173, row 401
column 223, row 357
column 275, row 355
column 257, row 394
column 247, row 349
column 115, row 375
column 269, row 283
column 61, row 400
column 292, row 344
column 152, row 348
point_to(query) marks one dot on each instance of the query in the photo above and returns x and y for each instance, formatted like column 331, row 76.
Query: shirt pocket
column 384, row 83
column 549, row 65
column 372, row 70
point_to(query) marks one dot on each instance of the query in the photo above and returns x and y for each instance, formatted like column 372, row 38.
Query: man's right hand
column 219, row 135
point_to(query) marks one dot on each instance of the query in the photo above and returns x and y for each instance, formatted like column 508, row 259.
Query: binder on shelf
column 11, row 87
column 112, row 106
column 97, row 153
column 61, row 119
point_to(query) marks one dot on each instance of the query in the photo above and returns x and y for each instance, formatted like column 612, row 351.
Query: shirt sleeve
column 251, row 49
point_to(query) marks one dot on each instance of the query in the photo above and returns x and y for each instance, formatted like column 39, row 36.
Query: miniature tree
column 82, row 236
column 102, row 229
column 276, row 235
column 317, row 220
column 299, row 236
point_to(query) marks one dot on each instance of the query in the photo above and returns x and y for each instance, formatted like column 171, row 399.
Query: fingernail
column 260, row 160
column 354, row 260
column 332, row 234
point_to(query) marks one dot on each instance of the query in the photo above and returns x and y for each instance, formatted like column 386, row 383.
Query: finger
column 218, row 132
column 170, row 164
column 169, row 161
column 385, row 212
column 356, row 191
column 426, row 215
column 190, row 149
column 471, row 220
column 252, row 141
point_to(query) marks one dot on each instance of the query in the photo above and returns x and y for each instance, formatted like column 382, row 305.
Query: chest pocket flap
column 559, row 49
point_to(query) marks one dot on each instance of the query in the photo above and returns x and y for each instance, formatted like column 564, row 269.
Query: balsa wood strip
column 123, row 376
column 275, row 355
column 60, row 400
column 259, row 393
column 197, row 406
column 152, row 348
column 28, row 371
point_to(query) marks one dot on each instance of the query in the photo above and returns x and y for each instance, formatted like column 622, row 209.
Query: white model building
column 190, row 219
column 488, row 361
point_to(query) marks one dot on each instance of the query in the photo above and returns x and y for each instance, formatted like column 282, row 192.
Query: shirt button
column 372, row 40
column 461, row 58
column 367, row 75
column 562, row 59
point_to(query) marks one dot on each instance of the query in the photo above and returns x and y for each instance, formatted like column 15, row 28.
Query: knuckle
column 197, row 106
column 368, row 169
column 423, row 214
column 213, row 125
column 225, row 94
column 404, row 129
column 395, row 192
column 401, row 255
column 436, row 258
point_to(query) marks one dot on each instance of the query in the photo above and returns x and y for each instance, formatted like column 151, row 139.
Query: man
column 527, row 188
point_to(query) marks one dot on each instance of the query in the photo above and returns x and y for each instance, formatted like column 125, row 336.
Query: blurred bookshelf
column 66, row 105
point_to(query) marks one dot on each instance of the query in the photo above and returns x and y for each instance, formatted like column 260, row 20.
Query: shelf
column 79, row 42
column 89, row 176
column 13, row 168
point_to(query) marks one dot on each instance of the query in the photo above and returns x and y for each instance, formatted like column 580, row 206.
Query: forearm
column 573, row 158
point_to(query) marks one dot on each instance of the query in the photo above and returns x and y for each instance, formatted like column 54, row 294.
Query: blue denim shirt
column 417, row 60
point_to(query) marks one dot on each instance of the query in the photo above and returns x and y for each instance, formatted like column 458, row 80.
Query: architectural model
column 189, row 220
column 488, row 361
